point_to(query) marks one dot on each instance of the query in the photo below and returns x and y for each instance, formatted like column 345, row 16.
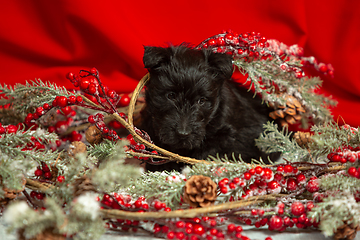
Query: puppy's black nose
column 183, row 131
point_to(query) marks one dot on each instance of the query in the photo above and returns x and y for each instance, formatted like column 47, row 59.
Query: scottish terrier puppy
column 194, row 109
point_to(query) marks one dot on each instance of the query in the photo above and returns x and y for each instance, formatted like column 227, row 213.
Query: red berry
column 124, row 100
column 288, row 168
column 11, row 129
column 352, row 171
column 39, row 196
column 60, row 179
column 291, row 184
column 70, row 76
column 274, row 187
column 71, row 100
column 258, row 170
column 33, row 194
column 66, row 110
column 238, row 229
column 79, row 99
column 47, row 175
column 111, row 94
column 297, row 208
column 180, row 224
column 301, row 178
column 38, row 172
column 236, row 180
column 84, row 83
column 224, row 190
column 252, row 171
column 170, row 235
column 61, row 101
column 199, row 229
column 313, row 186
column 131, row 139
column 231, row 227
column 268, row 174
column 247, row 176
column 158, row 205
column 91, row 119
column 276, row 222
column 92, row 88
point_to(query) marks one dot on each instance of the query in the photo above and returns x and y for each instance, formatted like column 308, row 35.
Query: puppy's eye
column 171, row 96
column 202, row 101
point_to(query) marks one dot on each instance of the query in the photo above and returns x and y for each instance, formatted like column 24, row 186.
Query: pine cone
column 200, row 191
column 346, row 232
column 93, row 135
column 288, row 114
column 47, row 234
column 303, row 138
column 82, row 185
column 76, row 147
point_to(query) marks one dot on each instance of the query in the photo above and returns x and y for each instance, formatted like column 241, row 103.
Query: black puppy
column 193, row 108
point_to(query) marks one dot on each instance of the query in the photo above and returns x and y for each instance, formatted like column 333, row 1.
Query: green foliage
column 73, row 220
column 273, row 140
column 336, row 210
column 330, row 136
column 266, row 77
column 104, row 150
column 335, row 183
column 160, row 185
column 35, row 222
column 15, row 163
column 25, row 98
column 112, row 171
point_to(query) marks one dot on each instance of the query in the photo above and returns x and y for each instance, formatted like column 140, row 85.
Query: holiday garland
column 80, row 190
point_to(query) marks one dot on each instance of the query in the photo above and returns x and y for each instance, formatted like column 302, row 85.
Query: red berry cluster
column 98, row 120
column 296, row 52
column 345, row 154
column 9, row 129
column 37, row 195
column 281, row 178
column 89, row 83
column 199, row 228
column 253, row 45
column 290, row 215
column 138, row 147
column 247, row 45
column 260, row 181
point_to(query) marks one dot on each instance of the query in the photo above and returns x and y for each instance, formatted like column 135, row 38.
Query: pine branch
column 330, row 136
column 163, row 186
column 272, row 140
column 335, row 210
column 340, row 183
column 268, row 79
column 26, row 98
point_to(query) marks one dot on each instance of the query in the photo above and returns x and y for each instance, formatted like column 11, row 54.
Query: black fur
column 193, row 108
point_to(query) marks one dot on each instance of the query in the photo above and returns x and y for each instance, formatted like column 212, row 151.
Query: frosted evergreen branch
column 112, row 171
column 31, row 95
column 273, row 140
column 330, row 136
column 165, row 186
column 103, row 150
column 21, row 138
column 337, row 182
column 336, row 210
column 266, row 75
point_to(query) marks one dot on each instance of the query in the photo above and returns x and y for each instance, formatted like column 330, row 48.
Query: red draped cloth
column 47, row 39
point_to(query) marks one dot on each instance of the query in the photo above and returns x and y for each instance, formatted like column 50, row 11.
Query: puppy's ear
column 155, row 56
column 221, row 64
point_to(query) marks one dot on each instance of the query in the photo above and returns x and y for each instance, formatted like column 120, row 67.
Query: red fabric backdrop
column 46, row 39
